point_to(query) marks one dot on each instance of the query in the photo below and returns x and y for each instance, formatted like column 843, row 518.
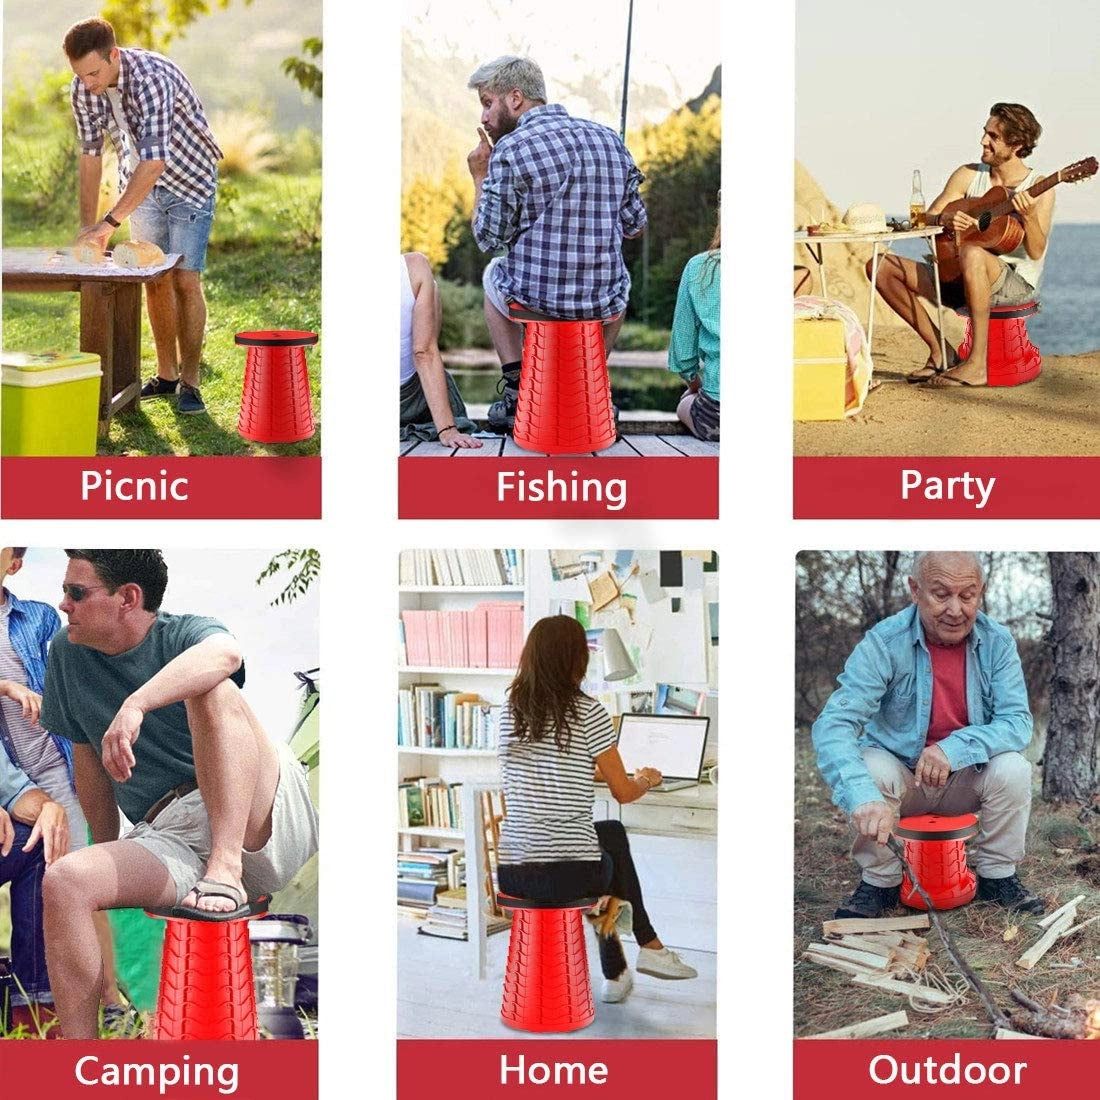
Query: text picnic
column 164, row 1076
column 132, row 488
column 551, row 488
column 933, row 488
column 560, row 1073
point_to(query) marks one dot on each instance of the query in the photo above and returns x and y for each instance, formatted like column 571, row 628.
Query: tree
column 306, row 73
column 1069, row 762
column 302, row 567
column 153, row 25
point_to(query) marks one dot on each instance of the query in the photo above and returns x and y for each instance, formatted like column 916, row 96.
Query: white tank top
column 1029, row 270
column 408, row 300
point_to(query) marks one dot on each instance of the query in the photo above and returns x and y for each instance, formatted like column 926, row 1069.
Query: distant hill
column 232, row 57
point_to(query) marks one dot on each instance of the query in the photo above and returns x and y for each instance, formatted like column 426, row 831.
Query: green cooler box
column 50, row 403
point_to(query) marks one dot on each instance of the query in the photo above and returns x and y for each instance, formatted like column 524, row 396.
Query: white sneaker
column 616, row 989
column 663, row 963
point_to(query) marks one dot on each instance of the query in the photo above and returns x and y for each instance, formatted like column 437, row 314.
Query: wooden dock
column 628, row 446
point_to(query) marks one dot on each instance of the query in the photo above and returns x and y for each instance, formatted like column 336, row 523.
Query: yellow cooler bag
column 49, row 403
column 821, row 383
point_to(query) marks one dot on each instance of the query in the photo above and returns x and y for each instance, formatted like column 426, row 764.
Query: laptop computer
column 673, row 744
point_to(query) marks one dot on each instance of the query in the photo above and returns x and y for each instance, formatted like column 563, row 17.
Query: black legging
column 567, row 880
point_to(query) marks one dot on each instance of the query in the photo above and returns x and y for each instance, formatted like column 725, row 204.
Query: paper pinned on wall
column 651, row 586
column 624, row 563
column 603, row 589
column 705, row 556
column 693, row 574
column 678, row 653
column 672, row 568
column 572, row 588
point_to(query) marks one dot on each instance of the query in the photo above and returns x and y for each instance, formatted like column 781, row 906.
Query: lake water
column 1069, row 322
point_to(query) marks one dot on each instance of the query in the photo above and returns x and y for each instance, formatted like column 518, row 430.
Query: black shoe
column 1010, row 893
column 190, row 399
column 869, row 902
column 158, row 387
column 502, row 413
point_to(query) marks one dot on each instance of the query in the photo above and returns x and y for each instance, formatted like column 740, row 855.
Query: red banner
column 630, row 1069
column 169, row 487
column 135, row 1069
column 558, row 488
column 848, row 1069
column 946, row 488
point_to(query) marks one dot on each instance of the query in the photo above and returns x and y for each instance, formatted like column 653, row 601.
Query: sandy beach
column 1056, row 414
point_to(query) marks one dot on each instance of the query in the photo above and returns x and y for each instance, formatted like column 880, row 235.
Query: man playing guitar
column 986, row 279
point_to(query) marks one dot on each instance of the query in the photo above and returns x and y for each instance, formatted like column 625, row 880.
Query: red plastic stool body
column 936, row 850
column 546, row 983
column 206, row 987
column 275, row 405
column 564, row 390
column 1013, row 358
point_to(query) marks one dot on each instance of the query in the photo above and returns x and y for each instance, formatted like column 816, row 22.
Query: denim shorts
column 175, row 225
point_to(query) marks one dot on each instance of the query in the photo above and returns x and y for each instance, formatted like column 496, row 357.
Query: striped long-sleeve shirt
column 165, row 119
column 549, row 791
column 560, row 195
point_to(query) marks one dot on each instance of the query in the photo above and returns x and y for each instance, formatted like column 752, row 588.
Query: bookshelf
column 471, row 767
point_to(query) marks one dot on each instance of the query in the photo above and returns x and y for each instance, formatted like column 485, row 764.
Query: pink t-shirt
column 949, row 712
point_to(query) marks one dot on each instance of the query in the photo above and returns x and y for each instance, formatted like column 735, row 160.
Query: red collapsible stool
column 564, row 390
column 546, row 983
column 1012, row 358
column 935, row 847
column 275, row 406
column 206, row 987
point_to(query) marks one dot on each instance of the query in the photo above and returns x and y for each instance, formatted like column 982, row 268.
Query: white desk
column 880, row 246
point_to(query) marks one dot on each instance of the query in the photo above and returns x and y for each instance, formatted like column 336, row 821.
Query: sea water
column 1069, row 321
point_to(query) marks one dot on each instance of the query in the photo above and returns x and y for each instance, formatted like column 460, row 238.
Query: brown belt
column 184, row 788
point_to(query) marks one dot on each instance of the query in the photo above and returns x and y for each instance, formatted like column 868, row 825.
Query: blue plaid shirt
column 560, row 195
column 166, row 121
column 31, row 625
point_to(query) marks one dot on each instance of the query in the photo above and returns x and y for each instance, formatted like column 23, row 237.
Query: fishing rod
column 626, row 72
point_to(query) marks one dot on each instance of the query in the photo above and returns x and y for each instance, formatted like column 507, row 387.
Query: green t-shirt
column 85, row 688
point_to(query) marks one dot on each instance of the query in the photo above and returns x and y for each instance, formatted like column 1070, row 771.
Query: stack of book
column 488, row 636
column 428, row 717
column 465, row 568
column 447, row 917
column 422, row 874
column 429, row 803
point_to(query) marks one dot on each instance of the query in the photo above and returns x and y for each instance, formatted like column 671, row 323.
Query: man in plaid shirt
column 168, row 177
column 558, row 193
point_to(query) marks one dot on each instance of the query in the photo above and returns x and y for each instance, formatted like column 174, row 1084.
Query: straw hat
column 865, row 217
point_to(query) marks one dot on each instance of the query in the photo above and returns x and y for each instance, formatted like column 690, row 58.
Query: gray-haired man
column 560, row 194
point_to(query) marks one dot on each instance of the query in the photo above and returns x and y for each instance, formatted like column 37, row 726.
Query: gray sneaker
column 190, row 400
column 502, row 413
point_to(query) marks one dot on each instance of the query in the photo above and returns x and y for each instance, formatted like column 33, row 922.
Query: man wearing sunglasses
column 162, row 733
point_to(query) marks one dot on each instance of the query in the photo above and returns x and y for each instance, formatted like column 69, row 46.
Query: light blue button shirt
column 885, row 701
column 13, row 782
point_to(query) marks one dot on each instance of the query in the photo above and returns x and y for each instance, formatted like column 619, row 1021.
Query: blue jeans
column 174, row 225
column 24, row 870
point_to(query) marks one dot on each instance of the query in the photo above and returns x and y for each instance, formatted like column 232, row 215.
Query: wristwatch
column 109, row 218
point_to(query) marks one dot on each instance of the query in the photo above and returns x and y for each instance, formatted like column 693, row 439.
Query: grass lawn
column 263, row 272
column 1058, row 866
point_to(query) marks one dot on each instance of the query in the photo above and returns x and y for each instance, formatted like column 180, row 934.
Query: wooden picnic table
column 110, row 312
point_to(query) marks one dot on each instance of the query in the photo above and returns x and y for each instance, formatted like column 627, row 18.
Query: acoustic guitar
column 1000, row 229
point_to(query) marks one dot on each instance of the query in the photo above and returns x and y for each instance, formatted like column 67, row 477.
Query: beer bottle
column 916, row 203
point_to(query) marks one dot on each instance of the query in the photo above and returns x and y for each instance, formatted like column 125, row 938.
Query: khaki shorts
column 1008, row 289
column 180, row 836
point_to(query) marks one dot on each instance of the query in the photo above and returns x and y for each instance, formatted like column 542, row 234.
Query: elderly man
column 560, row 194
column 168, row 177
column 160, row 731
column 930, row 717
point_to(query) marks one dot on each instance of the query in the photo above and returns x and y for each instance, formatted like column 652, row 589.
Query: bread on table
column 88, row 252
column 137, row 254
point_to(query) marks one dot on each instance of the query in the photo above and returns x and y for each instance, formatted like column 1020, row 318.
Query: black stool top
column 937, row 827
column 506, row 901
column 257, row 908
column 1006, row 313
column 276, row 338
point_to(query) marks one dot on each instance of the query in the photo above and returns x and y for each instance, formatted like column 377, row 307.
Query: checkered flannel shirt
column 166, row 120
column 560, row 195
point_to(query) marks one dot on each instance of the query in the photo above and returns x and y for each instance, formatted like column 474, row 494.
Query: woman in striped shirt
column 552, row 738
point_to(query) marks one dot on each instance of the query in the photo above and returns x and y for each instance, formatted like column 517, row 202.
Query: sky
column 886, row 88
column 674, row 43
column 277, row 641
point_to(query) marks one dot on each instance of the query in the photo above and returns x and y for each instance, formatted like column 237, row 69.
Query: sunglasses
column 77, row 592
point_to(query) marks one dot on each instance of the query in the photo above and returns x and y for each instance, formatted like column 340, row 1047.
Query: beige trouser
column 998, row 792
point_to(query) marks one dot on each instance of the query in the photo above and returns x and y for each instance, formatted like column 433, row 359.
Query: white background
column 360, row 538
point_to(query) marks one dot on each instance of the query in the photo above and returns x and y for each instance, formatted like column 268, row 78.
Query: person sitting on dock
column 932, row 716
column 431, row 406
column 560, row 194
